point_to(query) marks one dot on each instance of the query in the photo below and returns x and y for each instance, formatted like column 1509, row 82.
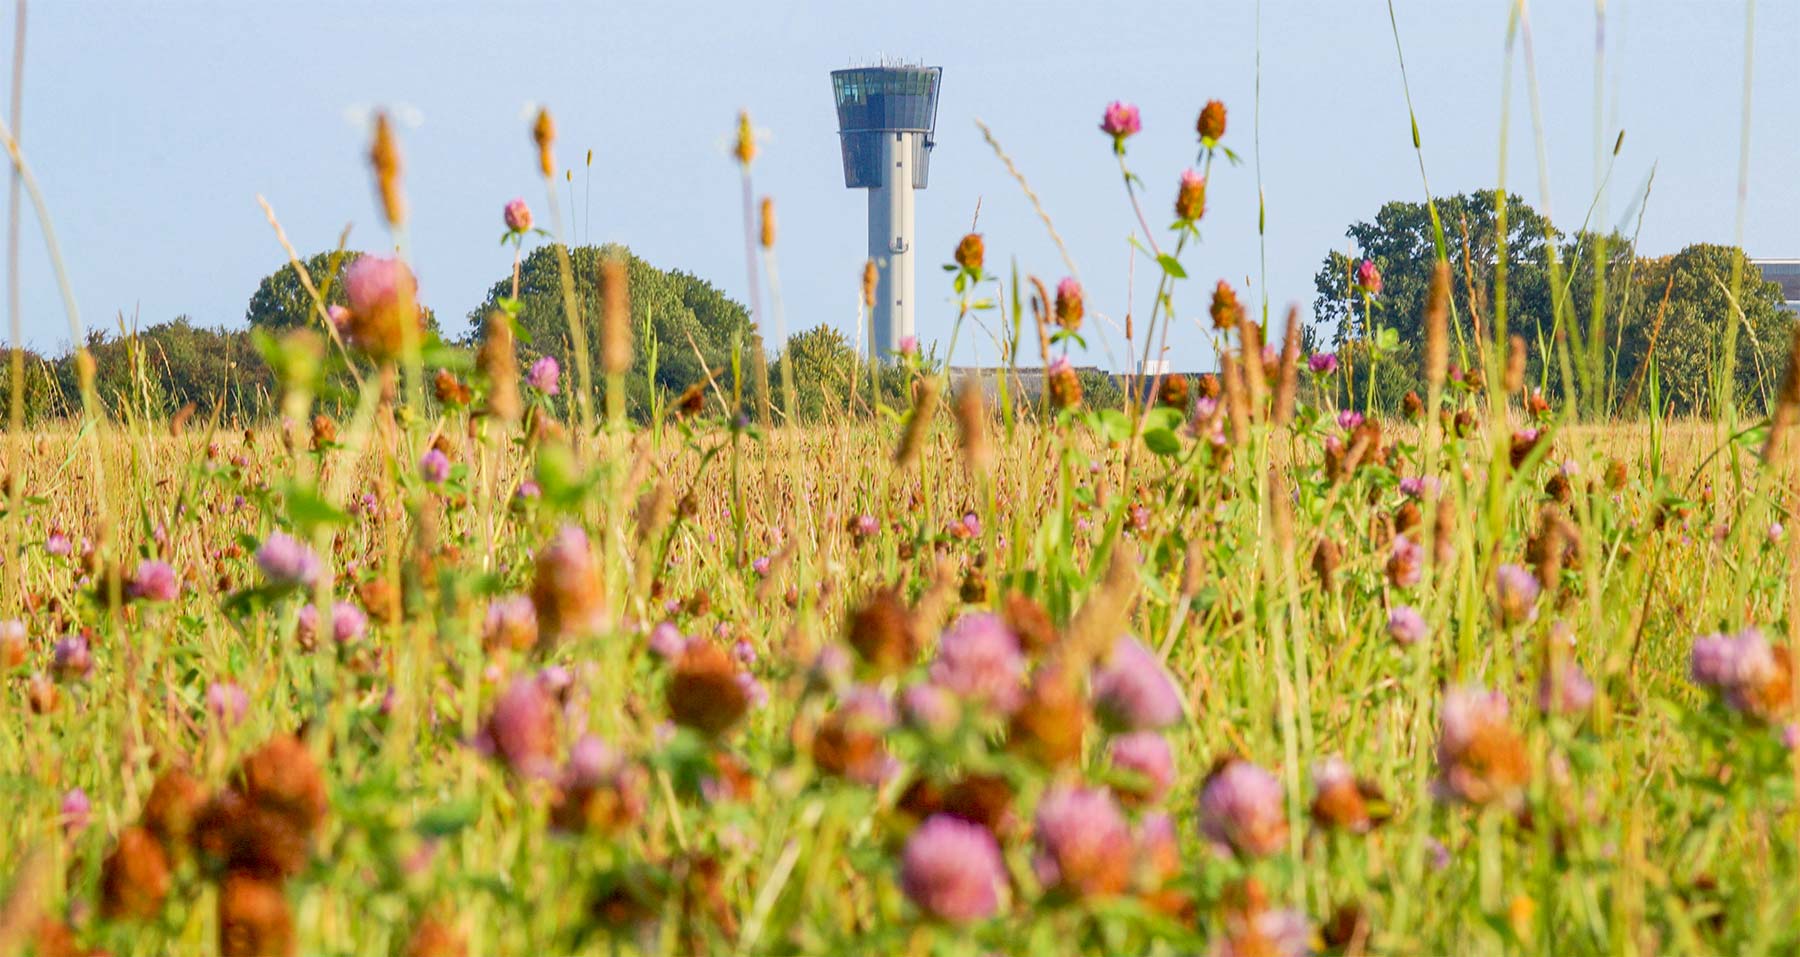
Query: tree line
column 1604, row 327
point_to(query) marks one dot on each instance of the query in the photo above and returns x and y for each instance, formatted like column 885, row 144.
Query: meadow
column 457, row 658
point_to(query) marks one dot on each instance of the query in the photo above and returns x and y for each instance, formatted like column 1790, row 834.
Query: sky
column 153, row 127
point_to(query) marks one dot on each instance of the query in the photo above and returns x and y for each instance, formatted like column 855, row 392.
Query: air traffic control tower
column 886, row 117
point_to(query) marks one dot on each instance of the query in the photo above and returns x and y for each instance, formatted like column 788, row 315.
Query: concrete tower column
column 890, row 245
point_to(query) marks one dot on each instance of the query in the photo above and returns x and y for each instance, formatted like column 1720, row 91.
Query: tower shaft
column 890, row 245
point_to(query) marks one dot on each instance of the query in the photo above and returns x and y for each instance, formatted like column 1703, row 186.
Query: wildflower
column 1190, row 197
column 1145, row 756
column 153, row 581
column 952, row 871
column 1211, row 124
column 1121, row 121
column 1252, row 929
column 666, row 641
column 175, row 799
column 706, row 692
column 287, row 562
column 543, row 375
column 1070, row 306
column 254, row 919
column 518, row 216
column 1241, row 808
column 14, row 646
column 383, row 306
column 521, row 730
column 566, row 589
column 883, row 633
column 850, row 741
column 1405, row 562
column 1340, row 800
column 1406, row 626
column 348, row 623
column 930, row 708
column 1751, row 676
column 1083, row 843
column 1062, row 384
column 978, row 659
column 1368, row 278
column 1481, row 759
column 908, row 346
column 1226, row 311
column 971, row 252
column 71, row 659
column 434, row 467
column 829, row 671
column 75, row 811
column 1564, row 689
column 1349, row 419
column 600, row 789
column 1173, row 392
column 1052, row 719
column 1516, row 593
column 57, row 543
column 135, row 878
column 1322, row 363
column 1133, row 692
column 227, row 703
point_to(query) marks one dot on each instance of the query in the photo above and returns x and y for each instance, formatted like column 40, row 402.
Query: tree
column 824, row 367
column 281, row 302
column 1691, row 346
column 672, row 314
column 1402, row 244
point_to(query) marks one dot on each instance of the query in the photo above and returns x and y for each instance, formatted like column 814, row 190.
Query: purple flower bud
column 76, row 809
column 1241, row 808
column 1121, row 121
column 521, row 731
column 287, row 562
column 518, row 216
column 666, row 641
column 1406, row 626
column 1349, row 419
column 1133, row 692
column 1565, row 690
column 951, row 870
column 761, row 566
column 1146, row 755
column 1083, row 843
column 744, row 651
column 227, row 702
column 1322, row 363
column 58, row 544
column 434, row 466
column 153, row 581
column 978, row 659
column 930, row 708
column 71, row 659
column 1516, row 594
column 544, row 374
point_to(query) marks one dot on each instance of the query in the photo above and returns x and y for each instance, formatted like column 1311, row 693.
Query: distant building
column 1029, row 380
column 1786, row 273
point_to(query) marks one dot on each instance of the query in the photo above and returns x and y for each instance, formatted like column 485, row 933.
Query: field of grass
column 702, row 725
column 457, row 659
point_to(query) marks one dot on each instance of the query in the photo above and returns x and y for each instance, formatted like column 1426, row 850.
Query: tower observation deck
column 886, row 119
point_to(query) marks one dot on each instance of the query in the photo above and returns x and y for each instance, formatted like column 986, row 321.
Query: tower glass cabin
column 886, row 119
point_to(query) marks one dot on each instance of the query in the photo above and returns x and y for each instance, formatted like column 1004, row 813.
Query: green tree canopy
column 1604, row 319
column 673, row 313
column 281, row 302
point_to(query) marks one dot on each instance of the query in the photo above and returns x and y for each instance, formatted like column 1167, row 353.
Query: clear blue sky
column 154, row 126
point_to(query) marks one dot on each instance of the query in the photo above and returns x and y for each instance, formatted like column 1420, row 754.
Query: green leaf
column 1163, row 417
column 309, row 510
column 1172, row 266
column 447, row 819
column 1114, row 425
column 1162, row 441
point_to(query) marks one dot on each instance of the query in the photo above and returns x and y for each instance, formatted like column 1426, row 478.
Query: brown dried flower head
column 704, row 692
